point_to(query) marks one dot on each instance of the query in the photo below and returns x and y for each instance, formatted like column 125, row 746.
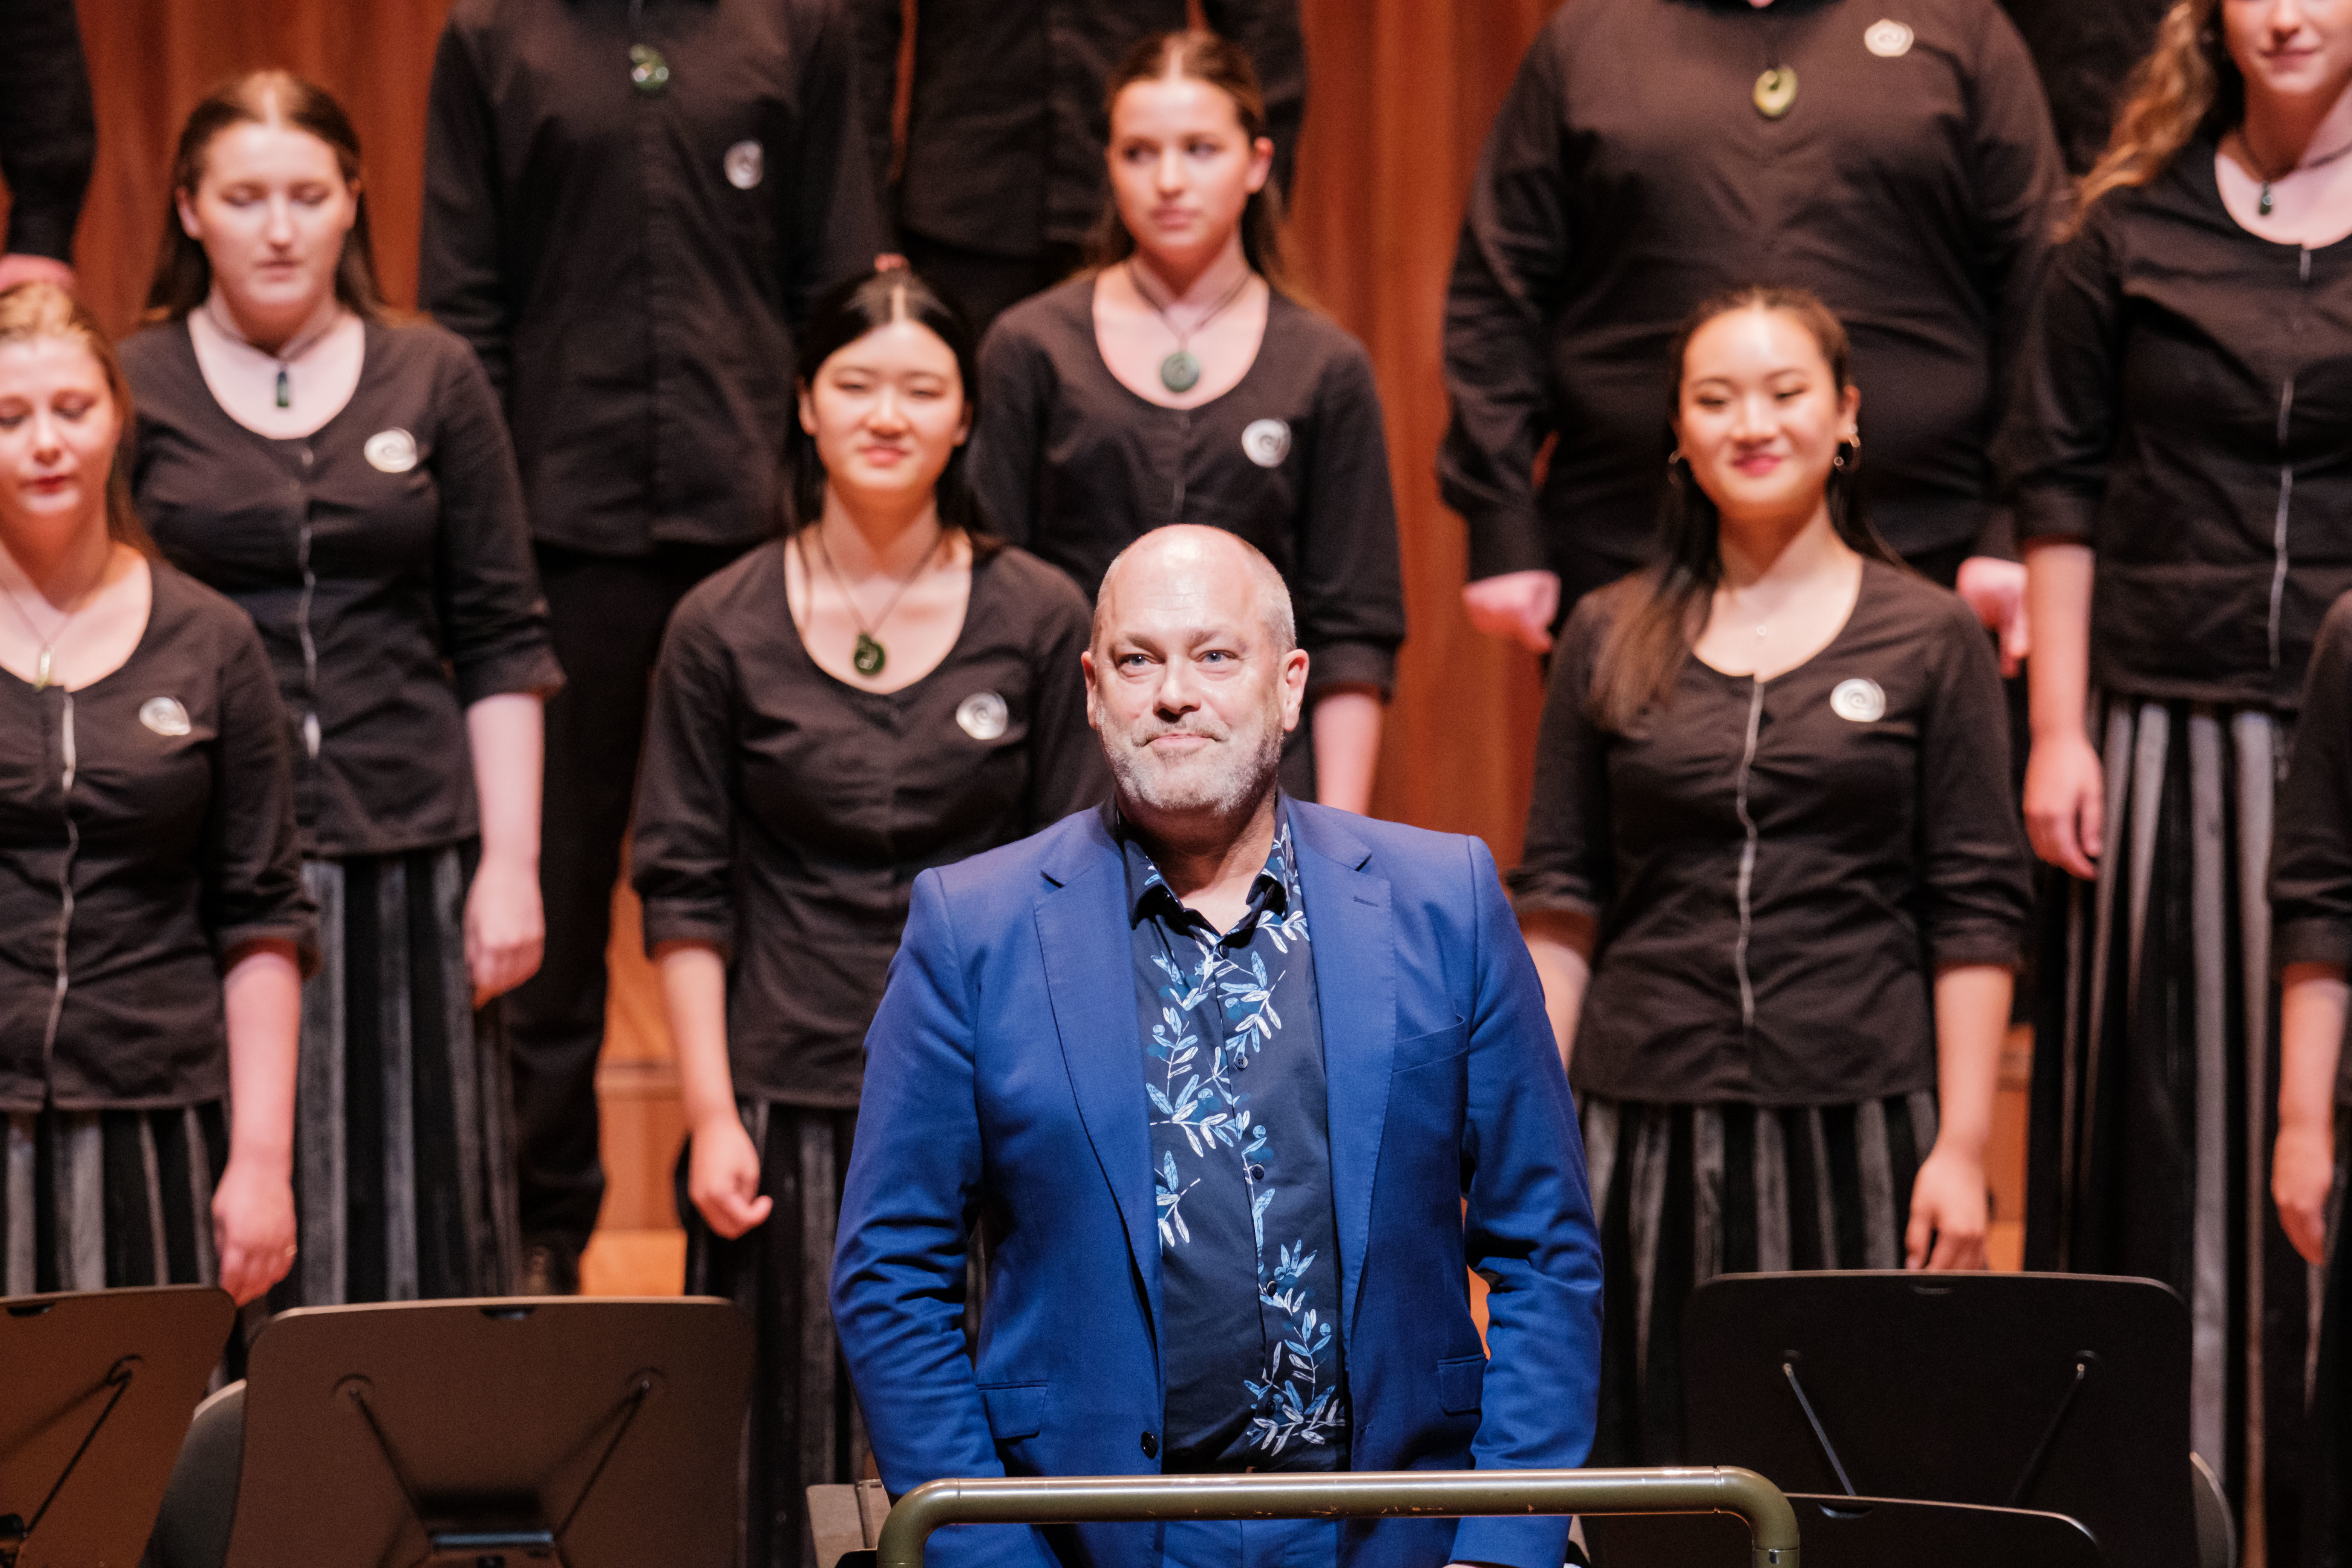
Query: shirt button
column 1151, row 1445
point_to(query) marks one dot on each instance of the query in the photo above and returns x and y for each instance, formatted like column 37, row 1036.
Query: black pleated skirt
column 404, row 1147
column 1687, row 1192
column 2155, row 1083
column 805, row 1430
column 98, row 1200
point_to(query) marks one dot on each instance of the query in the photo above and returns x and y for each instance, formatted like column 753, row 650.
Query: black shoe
column 548, row 1268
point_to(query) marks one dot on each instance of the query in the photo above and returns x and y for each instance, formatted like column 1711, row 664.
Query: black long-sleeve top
column 1074, row 466
column 2186, row 410
column 146, row 835
column 630, row 266
column 1779, row 867
column 782, row 816
column 1630, row 176
column 2311, row 854
column 385, row 559
column 1005, row 126
column 49, row 133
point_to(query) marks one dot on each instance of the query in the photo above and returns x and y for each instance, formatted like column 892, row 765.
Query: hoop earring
column 1676, row 466
column 1848, row 453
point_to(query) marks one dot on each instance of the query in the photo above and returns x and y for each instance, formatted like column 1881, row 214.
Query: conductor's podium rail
column 1076, row 1499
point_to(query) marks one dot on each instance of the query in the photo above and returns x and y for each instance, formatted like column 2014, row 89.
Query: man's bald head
column 1188, row 552
column 1193, row 677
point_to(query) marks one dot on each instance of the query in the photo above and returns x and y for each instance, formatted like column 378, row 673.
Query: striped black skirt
column 805, row 1430
column 2155, row 1083
column 96, row 1200
column 1687, row 1192
column 404, row 1147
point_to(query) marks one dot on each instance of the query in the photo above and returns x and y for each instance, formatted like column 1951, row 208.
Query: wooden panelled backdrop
column 1400, row 96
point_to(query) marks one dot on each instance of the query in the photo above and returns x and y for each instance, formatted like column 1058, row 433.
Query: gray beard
column 1220, row 792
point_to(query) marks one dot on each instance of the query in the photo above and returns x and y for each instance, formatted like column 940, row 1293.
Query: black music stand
column 535, row 1432
column 95, row 1391
column 1852, row 1532
column 2067, row 1394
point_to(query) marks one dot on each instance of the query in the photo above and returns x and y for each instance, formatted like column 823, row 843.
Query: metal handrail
column 1074, row 1500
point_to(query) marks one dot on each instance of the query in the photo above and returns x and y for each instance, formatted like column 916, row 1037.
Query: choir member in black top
column 1895, row 159
column 1000, row 179
column 152, row 922
column 1178, row 383
column 2311, row 911
column 1773, row 880
column 2179, row 455
column 885, row 688
column 628, row 209
column 48, row 138
column 347, row 479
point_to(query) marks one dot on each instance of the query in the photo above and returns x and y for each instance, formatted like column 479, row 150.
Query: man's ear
column 1094, row 708
column 1294, row 688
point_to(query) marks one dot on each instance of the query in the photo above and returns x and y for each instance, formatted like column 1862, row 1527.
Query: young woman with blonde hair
column 152, row 921
column 2176, row 461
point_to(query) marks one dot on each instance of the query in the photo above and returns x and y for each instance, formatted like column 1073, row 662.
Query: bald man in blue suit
column 1240, row 1090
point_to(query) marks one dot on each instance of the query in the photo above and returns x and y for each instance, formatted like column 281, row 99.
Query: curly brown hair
column 2186, row 85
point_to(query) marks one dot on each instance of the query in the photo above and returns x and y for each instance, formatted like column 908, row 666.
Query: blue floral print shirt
column 1241, row 1156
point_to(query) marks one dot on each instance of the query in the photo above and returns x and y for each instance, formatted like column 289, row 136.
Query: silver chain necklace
column 45, row 661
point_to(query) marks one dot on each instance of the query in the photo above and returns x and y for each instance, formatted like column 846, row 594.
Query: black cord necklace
column 2264, row 206
column 868, row 655
column 1181, row 372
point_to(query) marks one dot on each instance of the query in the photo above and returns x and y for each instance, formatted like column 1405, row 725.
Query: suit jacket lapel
column 1354, row 936
column 1090, row 977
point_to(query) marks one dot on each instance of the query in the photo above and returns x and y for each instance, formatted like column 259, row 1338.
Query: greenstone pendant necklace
column 2267, row 201
column 648, row 69
column 1181, row 372
column 868, row 656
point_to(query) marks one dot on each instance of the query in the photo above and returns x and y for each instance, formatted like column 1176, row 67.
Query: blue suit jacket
column 1004, row 1087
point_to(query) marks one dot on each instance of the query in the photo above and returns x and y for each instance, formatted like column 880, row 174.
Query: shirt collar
column 1149, row 896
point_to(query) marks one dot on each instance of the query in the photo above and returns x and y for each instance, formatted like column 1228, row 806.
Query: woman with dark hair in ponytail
column 1177, row 381
column 346, row 479
column 885, row 687
column 1773, row 880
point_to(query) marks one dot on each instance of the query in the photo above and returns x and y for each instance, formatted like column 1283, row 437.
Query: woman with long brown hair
column 346, row 478
column 1773, row 881
column 2177, row 458
column 1178, row 381
column 152, row 922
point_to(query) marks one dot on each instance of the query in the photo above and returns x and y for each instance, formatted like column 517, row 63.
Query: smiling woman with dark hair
column 1773, row 881
column 884, row 688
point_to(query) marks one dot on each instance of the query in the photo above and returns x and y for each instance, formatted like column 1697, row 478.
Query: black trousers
column 606, row 615
column 984, row 286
